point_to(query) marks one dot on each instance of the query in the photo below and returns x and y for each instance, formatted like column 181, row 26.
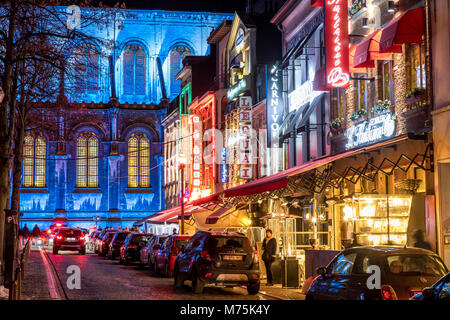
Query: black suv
column 115, row 244
column 69, row 239
column 130, row 250
column 218, row 258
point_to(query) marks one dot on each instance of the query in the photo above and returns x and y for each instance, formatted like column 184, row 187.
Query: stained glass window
column 139, row 161
column 177, row 55
column 87, row 161
column 134, row 70
column 34, row 152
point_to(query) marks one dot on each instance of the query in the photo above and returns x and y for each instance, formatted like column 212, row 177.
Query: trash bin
column 290, row 272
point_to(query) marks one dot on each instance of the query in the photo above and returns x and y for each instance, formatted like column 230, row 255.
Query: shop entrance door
column 444, row 210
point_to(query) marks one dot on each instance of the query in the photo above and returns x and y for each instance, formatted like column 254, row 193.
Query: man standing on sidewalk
column 269, row 249
column 25, row 234
column 36, row 233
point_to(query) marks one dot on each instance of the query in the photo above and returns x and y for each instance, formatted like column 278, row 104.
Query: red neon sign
column 336, row 30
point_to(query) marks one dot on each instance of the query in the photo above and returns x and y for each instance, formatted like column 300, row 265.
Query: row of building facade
column 349, row 127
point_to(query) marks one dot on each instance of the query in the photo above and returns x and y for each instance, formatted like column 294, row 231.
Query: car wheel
column 82, row 252
column 178, row 281
column 120, row 260
column 55, row 250
column 253, row 288
column 197, row 284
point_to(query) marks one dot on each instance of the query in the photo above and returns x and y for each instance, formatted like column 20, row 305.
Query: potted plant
column 382, row 106
column 356, row 6
column 358, row 114
column 416, row 95
column 337, row 126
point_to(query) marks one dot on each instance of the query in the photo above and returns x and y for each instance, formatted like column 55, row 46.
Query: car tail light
column 209, row 274
column 59, row 237
column 388, row 293
column 255, row 276
column 205, row 255
column 81, row 238
column 255, row 257
column 132, row 246
column 49, row 231
column 52, row 236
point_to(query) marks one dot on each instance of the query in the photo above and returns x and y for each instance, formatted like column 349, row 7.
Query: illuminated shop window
column 134, row 70
column 34, row 152
column 386, row 84
column 87, row 161
column 139, row 161
column 177, row 55
column 339, row 102
column 86, row 70
column 415, row 67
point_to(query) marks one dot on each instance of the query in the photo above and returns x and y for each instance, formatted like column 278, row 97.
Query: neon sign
column 370, row 131
column 274, row 107
column 238, row 88
column 336, row 30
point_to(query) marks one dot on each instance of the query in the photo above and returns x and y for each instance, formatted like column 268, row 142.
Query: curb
column 50, row 277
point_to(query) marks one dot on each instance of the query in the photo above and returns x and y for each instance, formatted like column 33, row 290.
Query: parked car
column 92, row 238
column 165, row 257
column 69, row 239
column 98, row 240
column 403, row 273
column 147, row 254
column 116, row 242
column 130, row 250
column 104, row 243
column 218, row 258
column 440, row 291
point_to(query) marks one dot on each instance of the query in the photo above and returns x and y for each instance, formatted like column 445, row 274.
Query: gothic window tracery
column 34, row 153
column 138, row 161
column 87, row 160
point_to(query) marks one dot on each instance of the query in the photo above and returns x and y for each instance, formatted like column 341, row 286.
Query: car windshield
column 225, row 243
column 138, row 238
column 70, row 233
column 121, row 236
column 416, row 264
column 180, row 242
column 161, row 239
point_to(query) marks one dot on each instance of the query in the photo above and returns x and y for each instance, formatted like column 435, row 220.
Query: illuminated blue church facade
column 94, row 157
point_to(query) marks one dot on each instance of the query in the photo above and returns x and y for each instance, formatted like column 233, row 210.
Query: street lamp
column 181, row 166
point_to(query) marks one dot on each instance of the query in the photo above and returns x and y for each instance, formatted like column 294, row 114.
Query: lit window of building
column 138, row 161
column 134, row 70
column 34, row 152
column 87, row 160
column 177, row 55
column 362, row 92
column 415, row 65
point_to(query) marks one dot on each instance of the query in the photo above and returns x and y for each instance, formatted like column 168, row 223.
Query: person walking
column 36, row 233
column 269, row 247
column 420, row 241
column 25, row 234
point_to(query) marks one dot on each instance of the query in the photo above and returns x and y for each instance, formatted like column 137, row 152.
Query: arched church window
column 87, row 160
column 86, row 68
column 34, row 152
column 134, row 70
column 177, row 55
column 138, row 161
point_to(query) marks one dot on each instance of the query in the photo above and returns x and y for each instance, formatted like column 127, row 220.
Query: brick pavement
column 35, row 282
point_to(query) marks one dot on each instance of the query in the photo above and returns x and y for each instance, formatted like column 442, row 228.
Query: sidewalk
column 278, row 292
column 35, row 282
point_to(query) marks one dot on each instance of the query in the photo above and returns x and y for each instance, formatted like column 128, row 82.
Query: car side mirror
column 321, row 271
column 428, row 293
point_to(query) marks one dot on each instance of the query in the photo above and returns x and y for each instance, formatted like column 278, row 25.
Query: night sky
column 187, row 5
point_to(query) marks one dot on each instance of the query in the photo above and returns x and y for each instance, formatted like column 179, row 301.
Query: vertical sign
column 274, row 107
column 245, row 135
column 196, row 154
column 336, row 37
column 224, row 167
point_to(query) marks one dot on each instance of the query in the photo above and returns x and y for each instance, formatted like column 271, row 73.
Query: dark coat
column 36, row 231
column 269, row 249
column 25, row 232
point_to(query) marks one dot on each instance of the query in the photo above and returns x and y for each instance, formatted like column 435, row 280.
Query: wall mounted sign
column 223, row 166
column 245, row 136
column 236, row 89
column 370, row 131
column 274, row 106
column 303, row 94
column 239, row 38
column 336, row 37
column 196, row 152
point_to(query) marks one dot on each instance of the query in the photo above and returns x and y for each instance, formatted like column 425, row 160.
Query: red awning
column 280, row 180
column 168, row 216
column 406, row 28
column 188, row 213
column 368, row 50
column 215, row 216
column 205, row 200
